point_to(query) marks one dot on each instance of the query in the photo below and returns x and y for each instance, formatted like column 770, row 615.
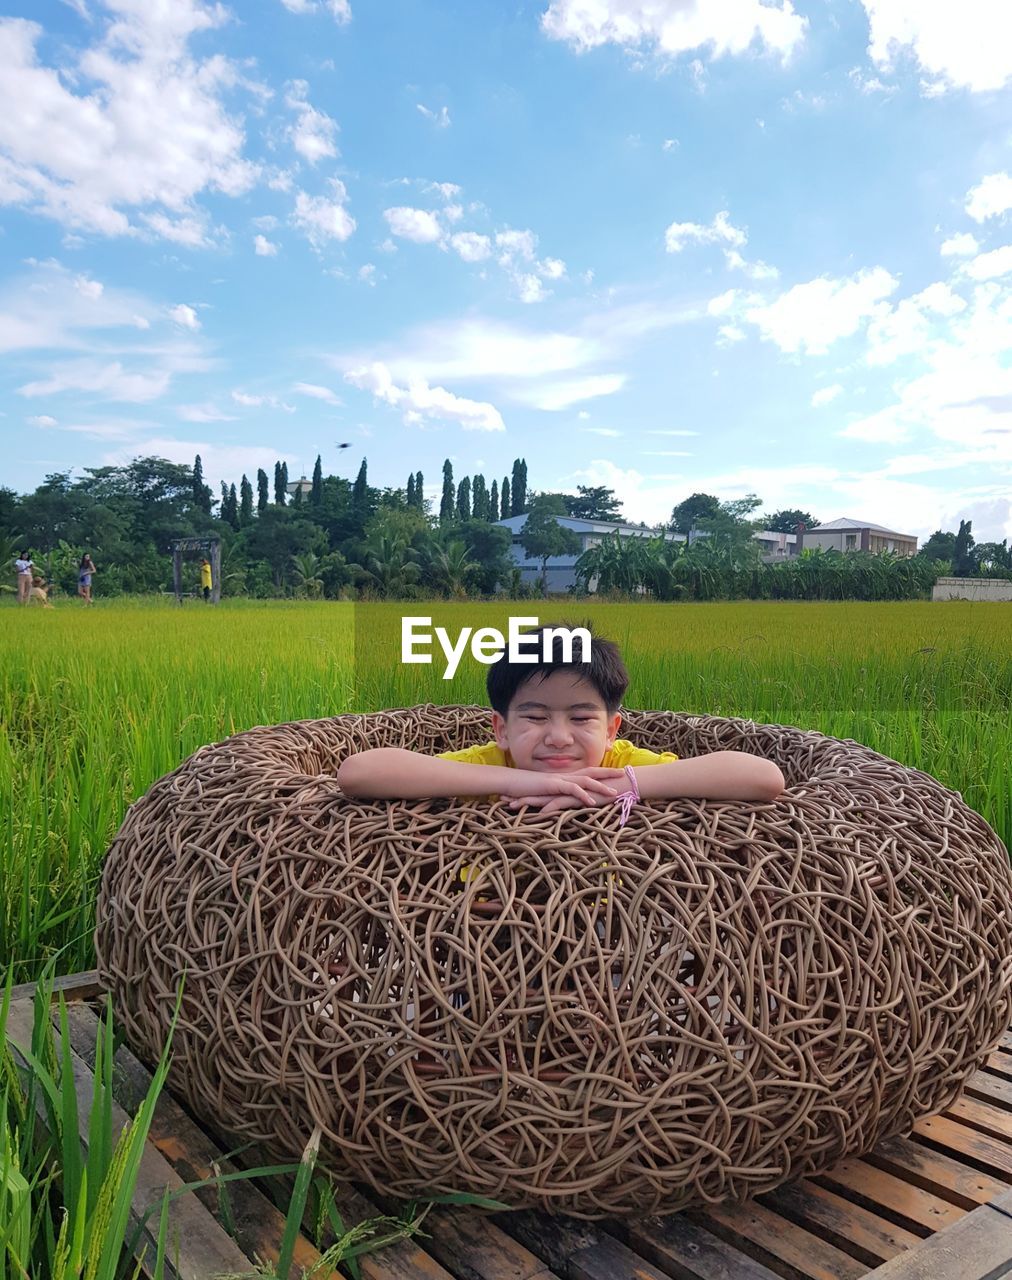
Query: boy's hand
column 527, row 786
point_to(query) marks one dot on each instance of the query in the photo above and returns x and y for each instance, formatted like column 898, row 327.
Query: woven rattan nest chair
column 559, row 1011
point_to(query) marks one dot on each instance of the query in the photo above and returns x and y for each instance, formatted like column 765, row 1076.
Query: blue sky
column 665, row 246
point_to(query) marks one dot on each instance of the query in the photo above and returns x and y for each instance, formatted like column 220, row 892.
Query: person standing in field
column 23, row 567
column 84, row 572
column 205, row 579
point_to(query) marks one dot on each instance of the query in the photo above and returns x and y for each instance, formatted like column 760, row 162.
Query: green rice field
column 96, row 704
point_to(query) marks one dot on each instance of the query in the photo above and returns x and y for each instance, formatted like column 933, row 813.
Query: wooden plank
column 809, row 1256
column 978, row 1247
column 259, row 1224
column 575, row 1249
column 684, row 1250
column 199, row 1248
column 470, row 1245
column 967, row 1142
column 874, row 1186
column 848, row 1226
column 1001, row 1062
column 75, row 986
column 991, row 1089
column 981, row 1115
column 938, row 1173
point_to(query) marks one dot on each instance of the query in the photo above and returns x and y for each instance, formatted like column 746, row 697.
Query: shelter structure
column 211, row 547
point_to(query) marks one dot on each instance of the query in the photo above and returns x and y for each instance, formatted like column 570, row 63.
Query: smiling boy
column 555, row 725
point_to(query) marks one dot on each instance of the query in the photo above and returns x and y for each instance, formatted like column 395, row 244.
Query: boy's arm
column 721, row 775
column 393, row 773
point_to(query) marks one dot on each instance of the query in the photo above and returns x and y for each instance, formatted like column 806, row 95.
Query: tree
column 316, row 493
column 962, row 552
column 284, row 479
column 993, row 558
column 360, row 489
column 411, row 489
column 505, row 505
column 543, row 537
column 464, row 499
column 419, row 492
column 688, row 514
column 940, row 546
column 201, row 492
column 518, row 489
column 307, row 567
column 245, row 503
column 263, row 492
column 280, row 485
column 447, row 509
column 787, row 521
column 493, row 502
column 597, row 503
column 230, row 508
column 479, row 498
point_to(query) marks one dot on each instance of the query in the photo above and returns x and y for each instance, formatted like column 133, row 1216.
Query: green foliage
column 542, row 537
column 596, row 503
column 962, row 552
column 787, row 521
column 687, row 515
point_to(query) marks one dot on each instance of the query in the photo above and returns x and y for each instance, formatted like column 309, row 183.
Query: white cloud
column 676, row 26
column 440, row 118
column 339, row 10
column 316, row 392
column 41, row 420
column 110, row 380
column 679, row 234
column 263, row 247
column 367, row 273
column 320, row 219
column 420, row 401
column 552, row 268
column 418, row 225
column 448, row 190
column 968, row 45
column 610, row 432
column 185, row 317
column 471, row 246
column 190, row 231
column 314, row 131
column 249, row 400
column 987, row 266
column 825, row 395
column 514, row 244
column 961, row 245
column 148, row 137
column 206, row 412
column 811, row 317
column 757, row 270
column 906, row 329
column 990, row 197
column 553, row 396
column 669, row 144
column 88, row 288
column 529, row 287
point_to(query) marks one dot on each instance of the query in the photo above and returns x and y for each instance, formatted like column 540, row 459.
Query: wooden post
column 215, row 570
column 177, row 574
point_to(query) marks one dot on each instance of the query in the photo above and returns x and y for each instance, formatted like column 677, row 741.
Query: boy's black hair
column 605, row 671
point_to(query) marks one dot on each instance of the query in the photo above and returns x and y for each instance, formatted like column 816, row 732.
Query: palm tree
column 449, row 568
column 388, row 563
column 307, row 574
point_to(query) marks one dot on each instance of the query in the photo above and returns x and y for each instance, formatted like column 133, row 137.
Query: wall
column 972, row 589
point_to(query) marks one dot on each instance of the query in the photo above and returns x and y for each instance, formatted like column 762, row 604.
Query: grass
column 96, row 704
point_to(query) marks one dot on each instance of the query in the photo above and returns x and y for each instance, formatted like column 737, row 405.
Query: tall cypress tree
column 280, row 495
column 464, row 499
column 446, row 504
column 284, row 483
column 245, row 503
column 493, row 503
column 419, row 492
column 411, row 488
column 523, row 485
column 515, row 489
column 263, row 490
column 297, row 495
column 223, row 509
column 229, row 505
column 479, row 498
column 361, row 487
column 316, row 495
column 201, row 493
column 504, row 503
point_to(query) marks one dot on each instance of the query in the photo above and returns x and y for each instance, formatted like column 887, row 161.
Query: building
column 302, row 485
column 561, row 571
column 776, row 546
column 858, row 535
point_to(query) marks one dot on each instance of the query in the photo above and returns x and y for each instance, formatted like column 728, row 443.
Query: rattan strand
column 603, row 1020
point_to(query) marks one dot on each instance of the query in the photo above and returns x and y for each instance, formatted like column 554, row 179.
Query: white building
column 560, row 572
column 859, row 535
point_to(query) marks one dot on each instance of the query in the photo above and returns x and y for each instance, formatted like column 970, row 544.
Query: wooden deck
column 936, row 1205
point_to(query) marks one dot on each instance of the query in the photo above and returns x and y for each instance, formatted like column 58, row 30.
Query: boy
column 557, row 747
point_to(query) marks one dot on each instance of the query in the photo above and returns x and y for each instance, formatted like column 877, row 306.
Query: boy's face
column 556, row 725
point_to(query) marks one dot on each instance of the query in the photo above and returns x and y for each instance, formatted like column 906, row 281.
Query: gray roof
column 844, row 522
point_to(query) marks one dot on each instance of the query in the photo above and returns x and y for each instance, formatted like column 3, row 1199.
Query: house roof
column 844, row 522
column 516, row 523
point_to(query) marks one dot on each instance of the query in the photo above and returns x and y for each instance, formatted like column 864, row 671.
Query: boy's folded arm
column 721, row 775
column 395, row 773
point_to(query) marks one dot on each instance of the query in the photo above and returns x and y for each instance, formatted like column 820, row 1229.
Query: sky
column 666, row 246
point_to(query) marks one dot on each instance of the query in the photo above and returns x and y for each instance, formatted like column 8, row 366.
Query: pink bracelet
column 628, row 798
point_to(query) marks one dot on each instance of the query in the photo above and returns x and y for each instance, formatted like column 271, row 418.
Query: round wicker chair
column 559, row 1011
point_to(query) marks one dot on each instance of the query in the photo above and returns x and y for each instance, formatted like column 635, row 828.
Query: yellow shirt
column 205, row 575
column 621, row 753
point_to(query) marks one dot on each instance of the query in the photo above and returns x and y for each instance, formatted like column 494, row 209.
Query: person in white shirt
column 23, row 567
